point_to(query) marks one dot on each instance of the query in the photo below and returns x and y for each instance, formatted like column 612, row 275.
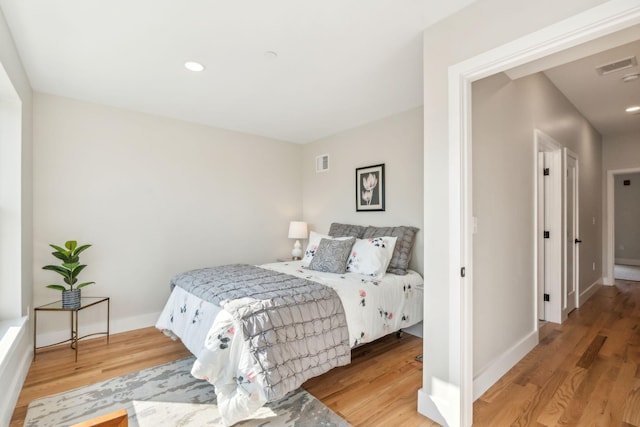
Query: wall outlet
column 594, row 266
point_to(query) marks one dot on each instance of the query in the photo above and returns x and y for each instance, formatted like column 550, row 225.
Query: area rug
column 168, row 395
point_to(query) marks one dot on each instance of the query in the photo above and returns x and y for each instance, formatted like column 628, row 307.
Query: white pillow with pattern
column 371, row 257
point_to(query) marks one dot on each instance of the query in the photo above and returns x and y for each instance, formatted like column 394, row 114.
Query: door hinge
column 463, row 272
column 546, row 297
column 546, row 234
column 545, row 171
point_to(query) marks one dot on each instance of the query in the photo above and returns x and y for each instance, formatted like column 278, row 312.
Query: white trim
column 14, row 369
column 576, row 219
column 491, row 373
column 593, row 23
column 609, row 278
column 627, row 261
column 590, row 291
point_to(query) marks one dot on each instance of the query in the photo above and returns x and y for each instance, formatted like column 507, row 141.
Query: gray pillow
column 345, row 230
column 404, row 245
column 331, row 255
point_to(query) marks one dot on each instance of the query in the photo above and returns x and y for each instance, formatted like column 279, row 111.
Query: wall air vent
column 322, row 163
column 621, row 64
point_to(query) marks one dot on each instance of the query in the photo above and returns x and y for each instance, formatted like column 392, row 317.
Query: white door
column 573, row 239
column 549, row 235
column 542, row 191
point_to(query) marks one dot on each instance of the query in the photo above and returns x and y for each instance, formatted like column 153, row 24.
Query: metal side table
column 85, row 302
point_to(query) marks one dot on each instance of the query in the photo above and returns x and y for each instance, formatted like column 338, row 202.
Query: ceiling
column 339, row 64
column 602, row 99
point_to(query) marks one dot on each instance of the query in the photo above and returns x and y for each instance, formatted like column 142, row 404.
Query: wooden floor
column 379, row 387
column 585, row 372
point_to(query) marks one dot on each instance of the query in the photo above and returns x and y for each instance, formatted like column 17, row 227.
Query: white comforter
column 373, row 308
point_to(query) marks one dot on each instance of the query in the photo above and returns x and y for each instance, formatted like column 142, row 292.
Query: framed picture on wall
column 370, row 188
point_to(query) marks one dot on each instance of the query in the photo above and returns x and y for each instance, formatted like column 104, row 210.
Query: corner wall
column 155, row 197
column 395, row 141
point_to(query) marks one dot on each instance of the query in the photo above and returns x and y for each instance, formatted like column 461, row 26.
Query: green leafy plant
column 70, row 268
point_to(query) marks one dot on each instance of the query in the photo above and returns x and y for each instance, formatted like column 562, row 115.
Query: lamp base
column 296, row 253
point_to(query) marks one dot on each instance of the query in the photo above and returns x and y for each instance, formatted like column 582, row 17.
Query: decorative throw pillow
column 404, row 245
column 341, row 230
column 371, row 256
column 312, row 247
column 331, row 255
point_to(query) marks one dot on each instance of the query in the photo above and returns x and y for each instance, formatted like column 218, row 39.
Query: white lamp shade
column 297, row 230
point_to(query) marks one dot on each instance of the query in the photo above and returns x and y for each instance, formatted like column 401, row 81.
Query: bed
column 262, row 331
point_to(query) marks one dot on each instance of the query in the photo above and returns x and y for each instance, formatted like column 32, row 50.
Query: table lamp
column 297, row 230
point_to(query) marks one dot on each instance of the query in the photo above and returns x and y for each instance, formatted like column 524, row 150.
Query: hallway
column 585, row 372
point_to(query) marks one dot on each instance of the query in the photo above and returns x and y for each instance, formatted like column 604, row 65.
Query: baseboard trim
column 590, row 291
column 501, row 365
column 115, row 326
column 415, row 330
column 627, row 261
column 432, row 408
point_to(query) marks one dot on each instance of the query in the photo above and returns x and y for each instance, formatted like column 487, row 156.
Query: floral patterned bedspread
column 373, row 308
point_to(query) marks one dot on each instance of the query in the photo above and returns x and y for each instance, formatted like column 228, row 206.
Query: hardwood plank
column 591, row 352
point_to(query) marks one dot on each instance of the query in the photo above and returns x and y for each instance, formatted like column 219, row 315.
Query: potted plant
column 69, row 270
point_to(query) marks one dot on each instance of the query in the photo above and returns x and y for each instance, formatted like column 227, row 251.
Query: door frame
column 610, row 251
column 576, row 219
column 553, row 256
column 591, row 24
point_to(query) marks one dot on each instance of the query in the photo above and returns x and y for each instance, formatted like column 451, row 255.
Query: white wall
column 476, row 29
column 15, row 334
column 505, row 113
column 627, row 219
column 154, row 197
column 395, row 141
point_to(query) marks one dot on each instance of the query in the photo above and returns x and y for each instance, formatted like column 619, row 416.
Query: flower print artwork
column 370, row 188
column 369, row 183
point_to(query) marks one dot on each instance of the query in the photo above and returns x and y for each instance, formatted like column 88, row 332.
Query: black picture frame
column 370, row 188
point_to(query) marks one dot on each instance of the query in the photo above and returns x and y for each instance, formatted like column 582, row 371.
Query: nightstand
column 85, row 302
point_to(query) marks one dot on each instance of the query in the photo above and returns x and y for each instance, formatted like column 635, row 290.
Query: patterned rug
column 168, row 395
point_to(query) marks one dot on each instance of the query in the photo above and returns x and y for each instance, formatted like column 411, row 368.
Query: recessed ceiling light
column 194, row 66
column 633, row 109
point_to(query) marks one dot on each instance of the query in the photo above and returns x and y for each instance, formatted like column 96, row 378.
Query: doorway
column 586, row 26
column 623, row 259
